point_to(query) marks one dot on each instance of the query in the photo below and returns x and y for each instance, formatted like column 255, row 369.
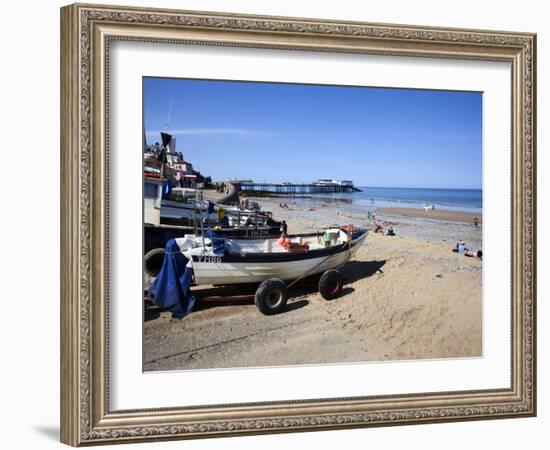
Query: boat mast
column 200, row 219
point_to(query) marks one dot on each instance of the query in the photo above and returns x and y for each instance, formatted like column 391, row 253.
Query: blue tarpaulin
column 171, row 288
column 218, row 244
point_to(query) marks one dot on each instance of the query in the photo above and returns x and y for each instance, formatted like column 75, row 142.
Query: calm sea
column 468, row 200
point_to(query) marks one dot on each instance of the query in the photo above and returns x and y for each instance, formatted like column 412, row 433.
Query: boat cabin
column 152, row 197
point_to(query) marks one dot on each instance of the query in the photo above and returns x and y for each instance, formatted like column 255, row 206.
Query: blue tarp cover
column 171, row 288
column 218, row 244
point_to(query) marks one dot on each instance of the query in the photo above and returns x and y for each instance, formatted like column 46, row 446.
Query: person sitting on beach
column 379, row 229
column 390, row 232
column 460, row 247
column 476, row 221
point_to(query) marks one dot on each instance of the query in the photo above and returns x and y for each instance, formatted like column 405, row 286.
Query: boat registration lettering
column 253, row 233
column 212, row 259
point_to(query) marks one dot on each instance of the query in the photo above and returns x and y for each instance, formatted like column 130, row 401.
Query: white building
column 331, row 182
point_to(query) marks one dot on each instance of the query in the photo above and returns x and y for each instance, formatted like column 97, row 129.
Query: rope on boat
column 307, row 272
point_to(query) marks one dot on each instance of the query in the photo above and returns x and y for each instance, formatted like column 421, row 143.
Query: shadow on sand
column 226, row 296
column 356, row 270
column 151, row 312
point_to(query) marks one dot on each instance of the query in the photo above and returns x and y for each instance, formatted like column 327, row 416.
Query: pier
column 289, row 189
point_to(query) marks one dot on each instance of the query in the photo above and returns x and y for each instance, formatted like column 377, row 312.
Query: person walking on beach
column 476, row 221
column 284, row 229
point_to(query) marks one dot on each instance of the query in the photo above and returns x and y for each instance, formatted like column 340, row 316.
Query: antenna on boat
column 166, row 138
column 199, row 201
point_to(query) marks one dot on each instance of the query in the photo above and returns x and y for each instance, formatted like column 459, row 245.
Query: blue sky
column 277, row 132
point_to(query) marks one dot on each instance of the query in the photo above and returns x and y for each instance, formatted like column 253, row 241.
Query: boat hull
column 212, row 269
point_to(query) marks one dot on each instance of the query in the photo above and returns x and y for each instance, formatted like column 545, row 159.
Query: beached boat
column 237, row 261
column 275, row 263
column 156, row 237
column 187, row 213
column 184, row 207
column 169, row 219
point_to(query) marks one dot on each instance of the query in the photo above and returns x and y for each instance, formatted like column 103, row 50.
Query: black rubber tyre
column 152, row 261
column 331, row 284
column 271, row 296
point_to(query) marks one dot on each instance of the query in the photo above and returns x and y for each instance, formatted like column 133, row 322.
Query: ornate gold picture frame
column 87, row 31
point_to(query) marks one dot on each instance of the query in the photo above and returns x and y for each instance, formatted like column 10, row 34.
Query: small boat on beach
column 184, row 206
column 237, row 261
column 275, row 263
column 187, row 214
column 156, row 237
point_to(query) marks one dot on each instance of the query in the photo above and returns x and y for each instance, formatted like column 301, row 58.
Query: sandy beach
column 407, row 297
column 439, row 214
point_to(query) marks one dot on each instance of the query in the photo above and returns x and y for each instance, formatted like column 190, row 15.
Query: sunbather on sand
column 478, row 254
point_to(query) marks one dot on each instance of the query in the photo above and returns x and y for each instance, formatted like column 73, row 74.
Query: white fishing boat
column 187, row 210
column 161, row 225
column 237, row 261
column 275, row 263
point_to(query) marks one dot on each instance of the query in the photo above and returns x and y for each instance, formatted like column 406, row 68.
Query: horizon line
column 423, row 187
column 384, row 187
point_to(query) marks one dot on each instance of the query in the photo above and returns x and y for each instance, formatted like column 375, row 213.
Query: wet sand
column 437, row 214
column 406, row 297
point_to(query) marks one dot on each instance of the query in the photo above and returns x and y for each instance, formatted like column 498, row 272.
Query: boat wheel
column 271, row 296
column 153, row 260
column 331, row 284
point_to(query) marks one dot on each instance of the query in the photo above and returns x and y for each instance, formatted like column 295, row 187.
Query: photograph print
column 297, row 224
